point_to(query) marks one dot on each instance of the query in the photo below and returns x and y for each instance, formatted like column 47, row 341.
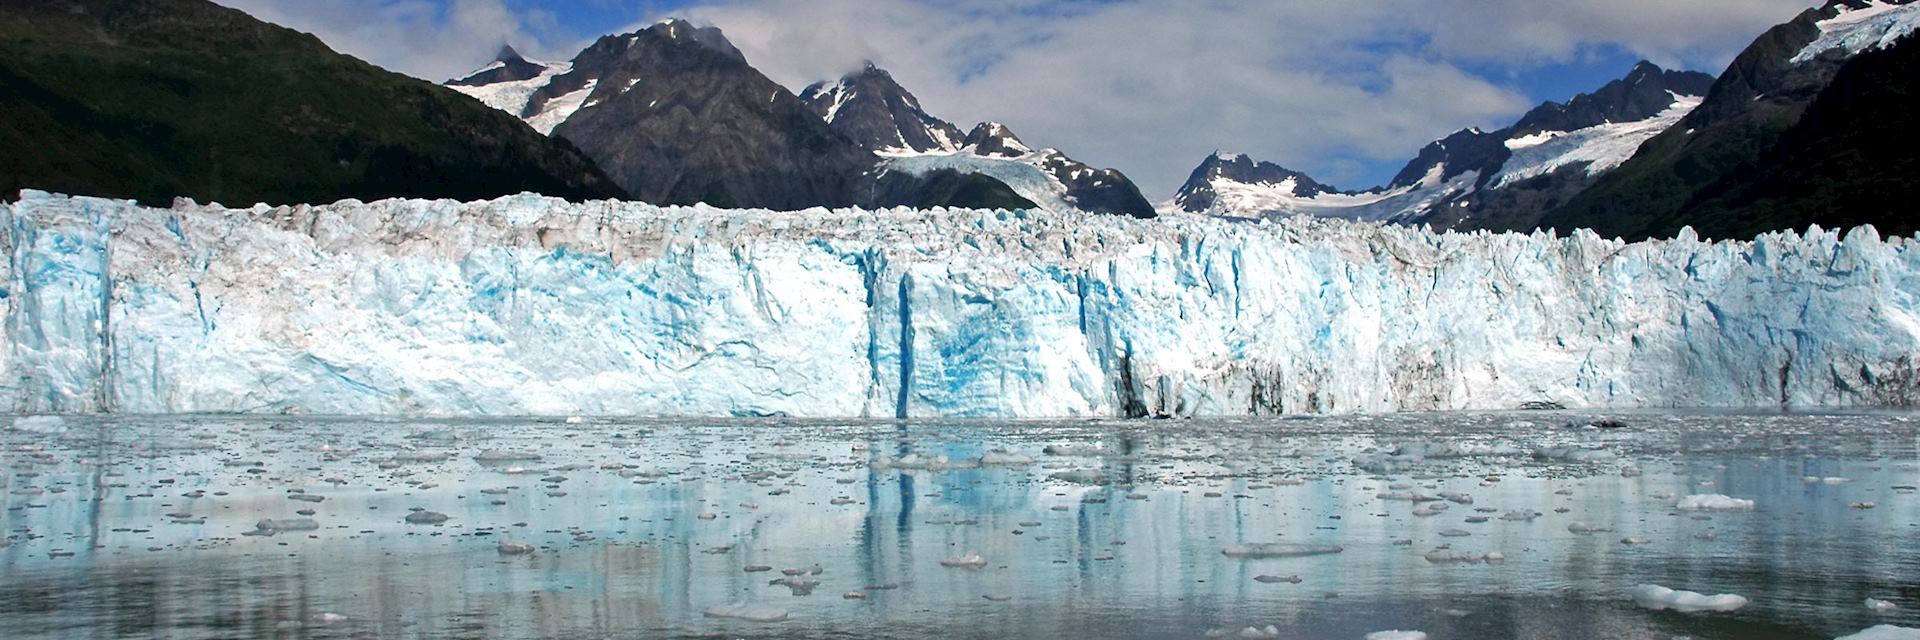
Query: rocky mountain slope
column 157, row 99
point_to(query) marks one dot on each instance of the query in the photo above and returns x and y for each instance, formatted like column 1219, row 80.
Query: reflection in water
column 148, row 527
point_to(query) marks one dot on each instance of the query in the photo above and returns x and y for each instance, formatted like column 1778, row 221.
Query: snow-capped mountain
column 1727, row 169
column 1472, row 178
column 675, row 114
column 1045, row 176
column 509, row 83
column 870, row 108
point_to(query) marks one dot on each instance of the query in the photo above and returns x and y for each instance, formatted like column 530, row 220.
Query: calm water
column 151, row 527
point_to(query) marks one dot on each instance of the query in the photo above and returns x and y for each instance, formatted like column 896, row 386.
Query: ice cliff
column 528, row 305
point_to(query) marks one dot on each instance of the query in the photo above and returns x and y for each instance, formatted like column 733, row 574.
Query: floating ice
column 287, row 524
column 40, row 424
column 1396, row 635
column 1884, row 632
column 1653, row 596
column 1278, row 550
column 1713, row 502
column 968, row 561
column 751, row 612
column 1881, row 606
column 1268, row 631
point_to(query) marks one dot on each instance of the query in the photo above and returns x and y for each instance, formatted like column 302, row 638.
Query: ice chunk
column 1713, row 502
column 1278, row 550
column 40, row 424
column 1881, row 606
column 1884, row 632
column 1396, row 635
column 968, row 561
column 1653, row 596
column 287, row 524
column 751, row 612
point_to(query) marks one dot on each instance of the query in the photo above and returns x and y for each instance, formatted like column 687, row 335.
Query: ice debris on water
column 287, row 524
column 1268, row 631
column 1278, row 550
column 1881, row 606
column 426, row 517
column 751, row 612
column 1713, row 502
column 1656, row 597
column 1396, row 635
column 1884, row 632
column 968, row 561
column 40, row 424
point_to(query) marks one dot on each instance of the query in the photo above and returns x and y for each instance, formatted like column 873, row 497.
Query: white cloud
column 1148, row 86
column 430, row 39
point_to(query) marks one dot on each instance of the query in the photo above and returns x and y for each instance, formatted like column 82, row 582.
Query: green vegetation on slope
column 152, row 99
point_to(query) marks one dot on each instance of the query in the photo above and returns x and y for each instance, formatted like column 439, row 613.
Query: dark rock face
column 1090, row 189
column 944, row 188
column 677, row 116
column 1849, row 160
column 1197, row 195
column 875, row 112
column 156, row 99
column 1684, row 176
column 1465, row 150
column 511, row 68
column 1097, row 190
column 995, row 140
column 1646, row 91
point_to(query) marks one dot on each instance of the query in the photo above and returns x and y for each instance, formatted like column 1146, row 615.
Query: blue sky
column 1344, row 91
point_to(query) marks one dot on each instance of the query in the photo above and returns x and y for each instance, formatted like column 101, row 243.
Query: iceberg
column 527, row 305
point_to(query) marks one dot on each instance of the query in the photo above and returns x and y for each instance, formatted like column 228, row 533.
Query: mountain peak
column 995, row 139
column 870, row 108
column 507, row 66
column 508, row 55
column 1645, row 91
column 677, row 30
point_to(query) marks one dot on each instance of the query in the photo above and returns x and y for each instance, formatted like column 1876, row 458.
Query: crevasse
column 528, row 305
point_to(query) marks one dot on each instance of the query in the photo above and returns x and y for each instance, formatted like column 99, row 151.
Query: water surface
column 151, row 527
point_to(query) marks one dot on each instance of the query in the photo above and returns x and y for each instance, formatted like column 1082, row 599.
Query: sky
column 1345, row 91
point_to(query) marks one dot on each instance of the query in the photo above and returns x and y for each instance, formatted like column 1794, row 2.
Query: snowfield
column 530, row 305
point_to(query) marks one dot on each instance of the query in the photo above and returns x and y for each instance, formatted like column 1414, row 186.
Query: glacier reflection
column 139, row 527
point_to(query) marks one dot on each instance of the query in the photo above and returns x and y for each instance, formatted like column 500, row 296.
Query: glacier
column 527, row 305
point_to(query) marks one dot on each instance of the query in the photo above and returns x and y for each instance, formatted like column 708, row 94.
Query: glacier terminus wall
column 534, row 306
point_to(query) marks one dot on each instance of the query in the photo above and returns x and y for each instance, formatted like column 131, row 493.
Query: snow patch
column 1601, row 147
column 557, row 110
column 1876, row 26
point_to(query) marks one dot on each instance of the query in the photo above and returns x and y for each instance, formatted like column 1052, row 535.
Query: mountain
column 872, row 110
column 869, row 107
column 1850, row 159
column 155, row 99
column 507, row 66
column 1046, row 177
column 1720, row 168
column 1472, row 178
column 674, row 114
